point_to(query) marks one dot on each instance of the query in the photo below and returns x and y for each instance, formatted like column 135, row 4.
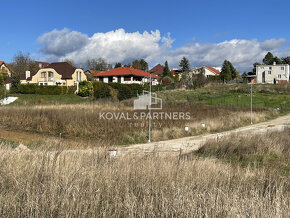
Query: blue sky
column 198, row 30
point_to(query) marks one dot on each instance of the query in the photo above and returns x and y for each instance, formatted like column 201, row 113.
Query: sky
column 205, row 31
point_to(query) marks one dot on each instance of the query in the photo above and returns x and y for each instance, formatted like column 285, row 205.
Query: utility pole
column 251, row 101
column 149, row 134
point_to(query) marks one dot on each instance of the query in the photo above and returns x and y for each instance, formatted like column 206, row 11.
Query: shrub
column 101, row 90
column 126, row 91
column 45, row 90
column 86, row 89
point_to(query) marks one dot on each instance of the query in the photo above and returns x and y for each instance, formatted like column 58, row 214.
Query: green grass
column 264, row 96
column 34, row 99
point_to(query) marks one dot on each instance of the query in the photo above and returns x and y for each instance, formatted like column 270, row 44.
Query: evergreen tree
column 228, row 71
column 117, row 65
column 166, row 70
column 15, row 81
column 184, row 64
column 1, row 80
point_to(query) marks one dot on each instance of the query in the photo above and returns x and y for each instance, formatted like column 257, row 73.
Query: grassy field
column 264, row 96
column 89, row 184
column 34, row 99
column 220, row 107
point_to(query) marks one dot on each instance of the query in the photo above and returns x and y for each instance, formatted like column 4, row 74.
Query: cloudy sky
column 206, row 32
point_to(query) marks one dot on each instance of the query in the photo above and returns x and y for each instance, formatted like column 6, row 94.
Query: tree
column 268, row 59
column 255, row 65
column 140, row 64
column 117, row 65
column 1, row 80
column 228, row 71
column 70, row 61
column 286, row 60
column 166, row 70
column 99, row 64
column 184, row 64
column 22, row 63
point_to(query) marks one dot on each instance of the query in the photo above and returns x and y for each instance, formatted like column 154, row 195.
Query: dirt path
column 192, row 143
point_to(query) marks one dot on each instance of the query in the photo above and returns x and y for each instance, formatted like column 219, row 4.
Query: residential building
column 157, row 70
column 5, row 69
column 41, row 65
column 92, row 74
column 126, row 75
column 206, row 71
column 60, row 73
column 275, row 74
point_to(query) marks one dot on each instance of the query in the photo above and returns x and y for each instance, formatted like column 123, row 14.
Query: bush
column 45, row 90
column 2, row 92
column 101, row 90
column 86, row 89
column 126, row 91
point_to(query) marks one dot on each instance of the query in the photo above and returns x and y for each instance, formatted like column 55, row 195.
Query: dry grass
column 82, row 121
column 87, row 184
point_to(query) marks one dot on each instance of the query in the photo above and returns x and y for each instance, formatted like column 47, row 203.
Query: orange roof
column 2, row 62
column 94, row 72
column 125, row 71
column 213, row 69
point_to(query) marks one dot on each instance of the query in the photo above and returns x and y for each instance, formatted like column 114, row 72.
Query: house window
column 270, row 68
column 282, row 68
column 50, row 74
column 269, row 72
column 80, row 73
column 279, row 76
column 43, row 74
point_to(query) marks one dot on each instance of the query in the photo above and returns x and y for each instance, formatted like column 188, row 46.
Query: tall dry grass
column 84, row 121
column 88, row 184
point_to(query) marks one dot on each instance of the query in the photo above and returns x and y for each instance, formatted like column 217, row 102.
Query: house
column 126, row 75
column 275, row 74
column 249, row 77
column 59, row 73
column 157, row 70
column 206, row 71
column 92, row 74
column 41, row 65
column 5, row 69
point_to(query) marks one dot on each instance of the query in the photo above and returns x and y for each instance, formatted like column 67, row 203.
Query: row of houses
column 64, row 74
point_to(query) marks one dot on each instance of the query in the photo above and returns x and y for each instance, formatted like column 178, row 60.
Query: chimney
column 27, row 74
column 274, row 63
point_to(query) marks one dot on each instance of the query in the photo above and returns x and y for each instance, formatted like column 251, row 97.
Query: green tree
column 166, row 70
column 140, row 64
column 1, row 80
column 286, row 60
column 268, row 59
column 184, row 64
column 228, row 71
column 15, row 82
column 117, row 65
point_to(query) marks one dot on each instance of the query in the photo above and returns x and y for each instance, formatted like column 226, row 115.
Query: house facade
column 4, row 69
column 274, row 74
column 126, row 75
column 206, row 71
column 60, row 73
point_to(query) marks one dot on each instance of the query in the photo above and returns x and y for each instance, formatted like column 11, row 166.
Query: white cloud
column 120, row 46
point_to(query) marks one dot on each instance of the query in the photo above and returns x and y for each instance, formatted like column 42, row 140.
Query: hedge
column 45, row 90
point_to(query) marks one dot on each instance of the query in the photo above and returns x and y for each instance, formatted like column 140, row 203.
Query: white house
column 206, row 71
column 275, row 74
column 126, row 75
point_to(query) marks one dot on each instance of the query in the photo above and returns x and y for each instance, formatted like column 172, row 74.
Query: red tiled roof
column 125, row 71
column 94, row 72
column 157, row 70
column 2, row 62
column 213, row 70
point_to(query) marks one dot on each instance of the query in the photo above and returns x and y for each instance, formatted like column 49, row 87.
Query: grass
column 83, row 121
column 34, row 99
column 268, row 152
column 264, row 96
column 89, row 184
